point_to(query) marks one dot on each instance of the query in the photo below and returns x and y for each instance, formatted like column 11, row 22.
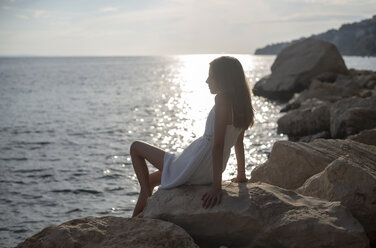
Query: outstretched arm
column 239, row 151
column 214, row 196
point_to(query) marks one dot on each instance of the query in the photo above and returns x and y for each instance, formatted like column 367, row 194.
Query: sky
column 165, row 27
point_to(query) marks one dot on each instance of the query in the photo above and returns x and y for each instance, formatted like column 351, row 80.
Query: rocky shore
column 316, row 190
column 109, row 231
column 258, row 215
column 330, row 121
column 324, row 98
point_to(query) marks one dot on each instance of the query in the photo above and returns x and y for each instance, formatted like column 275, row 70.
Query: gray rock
column 357, row 79
column 328, row 77
column 291, row 163
column 108, row 231
column 351, row 182
column 312, row 137
column 305, row 121
column 327, row 92
column 296, row 65
column 352, row 115
column 324, row 92
column 366, row 137
column 258, row 215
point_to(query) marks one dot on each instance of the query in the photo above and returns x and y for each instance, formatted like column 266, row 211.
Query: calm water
column 67, row 124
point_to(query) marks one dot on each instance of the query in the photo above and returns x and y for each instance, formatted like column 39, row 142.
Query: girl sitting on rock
column 204, row 160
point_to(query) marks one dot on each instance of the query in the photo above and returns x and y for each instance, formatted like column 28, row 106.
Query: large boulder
column 352, row 115
column 291, row 163
column 258, row 215
column 109, row 232
column 351, row 182
column 296, row 65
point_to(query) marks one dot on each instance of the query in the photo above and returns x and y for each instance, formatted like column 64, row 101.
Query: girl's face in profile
column 212, row 83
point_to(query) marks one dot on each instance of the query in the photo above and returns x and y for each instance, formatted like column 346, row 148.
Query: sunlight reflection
column 181, row 111
column 195, row 98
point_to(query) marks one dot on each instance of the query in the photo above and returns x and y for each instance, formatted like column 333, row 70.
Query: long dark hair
column 230, row 77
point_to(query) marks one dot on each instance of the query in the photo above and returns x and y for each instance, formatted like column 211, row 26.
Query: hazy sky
column 151, row 27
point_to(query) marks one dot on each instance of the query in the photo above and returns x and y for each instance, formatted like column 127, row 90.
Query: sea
column 67, row 123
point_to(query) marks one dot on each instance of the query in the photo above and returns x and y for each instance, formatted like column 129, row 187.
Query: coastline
column 261, row 186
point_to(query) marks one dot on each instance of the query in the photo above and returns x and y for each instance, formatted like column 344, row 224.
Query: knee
column 134, row 147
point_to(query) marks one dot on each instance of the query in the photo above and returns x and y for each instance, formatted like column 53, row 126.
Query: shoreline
column 326, row 156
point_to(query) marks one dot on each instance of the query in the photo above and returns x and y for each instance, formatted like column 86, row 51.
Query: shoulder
column 222, row 108
column 221, row 101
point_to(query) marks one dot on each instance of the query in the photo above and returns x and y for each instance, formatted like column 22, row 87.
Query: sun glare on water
column 195, row 99
column 182, row 110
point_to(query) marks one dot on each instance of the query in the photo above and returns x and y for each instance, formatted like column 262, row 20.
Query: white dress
column 194, row 165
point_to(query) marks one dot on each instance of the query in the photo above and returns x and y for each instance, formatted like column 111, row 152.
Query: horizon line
column 151, row 55
column 126, row 55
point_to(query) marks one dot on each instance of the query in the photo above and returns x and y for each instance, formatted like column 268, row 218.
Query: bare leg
column 142, row 173
column 155, row 180
column 139, row 152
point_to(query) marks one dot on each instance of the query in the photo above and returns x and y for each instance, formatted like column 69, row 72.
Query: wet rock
column 110, row 231
column 351, row 182
column 291, row 163
column 296, row 65
column 258, row 215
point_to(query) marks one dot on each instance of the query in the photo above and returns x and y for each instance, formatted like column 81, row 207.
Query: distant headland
column 356, row 39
